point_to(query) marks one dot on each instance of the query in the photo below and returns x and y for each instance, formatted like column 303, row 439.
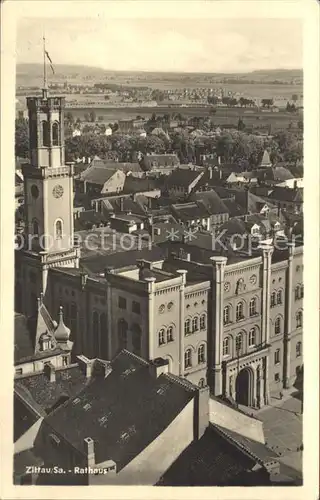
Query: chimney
column 201, row 412
column 89, row 451
column 183, row 273
column 50, row 372
column 295, row 184
column 220, row 173
column 150, row 203
column 108, row 270
column 188, row 257
column 85, row 365
column 210, row 172
column 219, row 160
column 158, row 366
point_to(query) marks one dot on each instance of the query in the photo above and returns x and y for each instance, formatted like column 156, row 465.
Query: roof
column 96, row 264
column 162, row 160
column 124, row 412
column 98, row 175
column 210, row 461
column 69, row 381
column 287, row 194
column 182, row 177
column 109, row 164
column 265, row 160
column 189, row 211
column 211, row 201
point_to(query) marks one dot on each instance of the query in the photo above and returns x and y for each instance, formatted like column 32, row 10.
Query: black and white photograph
column 158, row 250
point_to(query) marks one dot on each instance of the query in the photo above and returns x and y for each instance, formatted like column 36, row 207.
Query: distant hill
column 32, row 74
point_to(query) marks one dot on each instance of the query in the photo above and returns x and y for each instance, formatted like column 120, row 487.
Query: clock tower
column 48, row 192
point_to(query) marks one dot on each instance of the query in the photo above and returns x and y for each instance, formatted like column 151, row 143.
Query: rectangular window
column 18, row 371
column 277, row 357
column 277, row 377
column 136, row 307
column 122, row 303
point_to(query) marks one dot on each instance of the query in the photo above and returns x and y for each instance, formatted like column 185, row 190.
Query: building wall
column 155, row 459
column 115, row 183
column 26, row 441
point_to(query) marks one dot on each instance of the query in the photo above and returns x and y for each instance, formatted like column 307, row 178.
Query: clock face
column 34, row 191
column 57, row 191
column 253, row 279
column 227, row 286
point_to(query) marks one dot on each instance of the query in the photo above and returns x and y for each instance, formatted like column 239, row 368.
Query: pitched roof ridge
column 186, row 384
column 239, row 445
column 142, row 362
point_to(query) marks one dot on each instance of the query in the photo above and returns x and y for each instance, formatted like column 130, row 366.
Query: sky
column 182, row 45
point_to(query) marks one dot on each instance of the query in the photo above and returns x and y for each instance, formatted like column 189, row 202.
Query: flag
column 50, row 61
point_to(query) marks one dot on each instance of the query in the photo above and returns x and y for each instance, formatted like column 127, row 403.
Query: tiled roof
column 189, row 211
column 162, row 160
column 68, row 382
column 212, row 202
column 114, row 165
column 182, row 177
column 287, row 195
column 210, row 461
column 122, row 413
column 98, row 175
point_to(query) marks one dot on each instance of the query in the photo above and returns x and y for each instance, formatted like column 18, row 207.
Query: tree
column 267, row 103
column 213, row 99
column 294, row 97
column 93, row 116
column 21, row 138
column 241, row 125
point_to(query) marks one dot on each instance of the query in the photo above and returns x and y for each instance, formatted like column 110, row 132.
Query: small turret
column 62, row 333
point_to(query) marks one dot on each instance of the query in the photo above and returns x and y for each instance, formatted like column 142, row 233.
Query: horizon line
column 166, row 71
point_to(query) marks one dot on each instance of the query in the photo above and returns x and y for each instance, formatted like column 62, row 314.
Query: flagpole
column 44, row 67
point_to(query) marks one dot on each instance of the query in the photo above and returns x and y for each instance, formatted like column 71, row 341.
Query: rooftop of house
column 125, row 167
column 211, row 200
column 286, row 194
column 98, row 175
column 211, row 461
column 122, row 413
column 182, row 178
column 189, row 211
column 38, row 388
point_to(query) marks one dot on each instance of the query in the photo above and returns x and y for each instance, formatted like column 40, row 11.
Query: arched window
column 187, row 326
column 302, row 291
column 226, row 315
column 95, row 327
column 123, row 333
column 277, row 325
column 55, row 134
column 239, row 343
column 253, row 307
column 202, row 383
column 279, row 297
column 203, row 322
column 35, row 227
column 136, row 339
column 188, row 358
column 273, row 299
column 252, row 337
column 277, row 356
column 201, row 354
column 299, row 317
column 298, row 349
column 226, row 347
column 239, row 311
column 170, row 334
column 103, row 335
column 297, row 292
column 195, row 324
column 58, row 229
column 161, row 336
column 45, row 134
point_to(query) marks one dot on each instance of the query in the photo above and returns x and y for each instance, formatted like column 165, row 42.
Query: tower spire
column 45, row 87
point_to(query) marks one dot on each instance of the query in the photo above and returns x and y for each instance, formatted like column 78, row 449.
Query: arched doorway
column 244, row 387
